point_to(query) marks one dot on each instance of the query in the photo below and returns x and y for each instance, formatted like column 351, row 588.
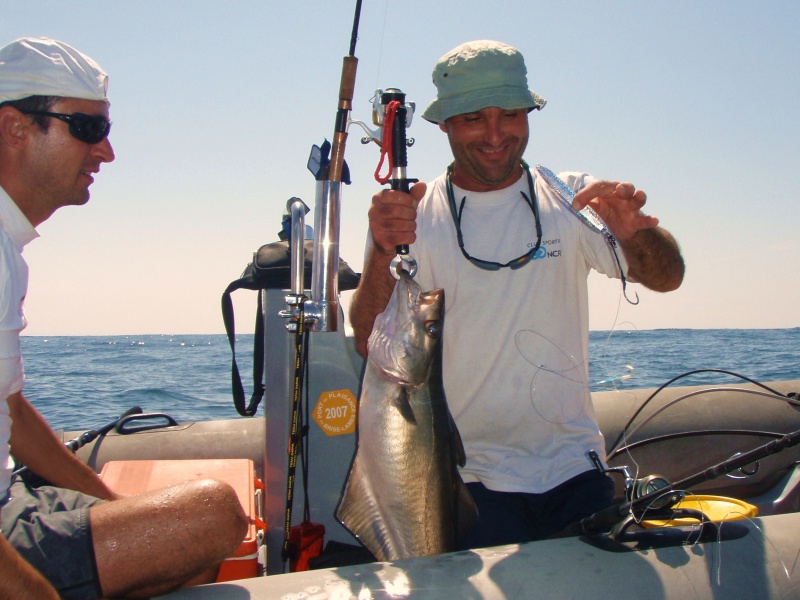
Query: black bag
column 271, row 269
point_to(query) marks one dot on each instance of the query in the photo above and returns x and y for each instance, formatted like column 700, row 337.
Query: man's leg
column 49, row 528
column 155, row 542
column 573, row 500
column 502, row 519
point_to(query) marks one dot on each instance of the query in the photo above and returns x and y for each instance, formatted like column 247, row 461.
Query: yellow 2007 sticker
column 336, row 412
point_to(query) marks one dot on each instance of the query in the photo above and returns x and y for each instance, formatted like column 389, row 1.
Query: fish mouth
column 404, row 336
column 432, row 298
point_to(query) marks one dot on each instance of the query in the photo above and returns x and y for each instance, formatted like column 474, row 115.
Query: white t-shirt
column 516, row 341
column 15, row 232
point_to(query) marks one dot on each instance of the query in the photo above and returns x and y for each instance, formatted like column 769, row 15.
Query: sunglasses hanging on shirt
column 490, row 265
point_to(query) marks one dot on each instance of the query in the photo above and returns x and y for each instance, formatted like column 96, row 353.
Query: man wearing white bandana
column 74, row 538
column 506, row 244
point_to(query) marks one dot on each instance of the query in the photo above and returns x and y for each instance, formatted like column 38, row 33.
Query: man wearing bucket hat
column 506, row 244
column 86, row 542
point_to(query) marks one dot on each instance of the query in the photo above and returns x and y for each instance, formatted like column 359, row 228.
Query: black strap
column 269, row 269
column 258, row 354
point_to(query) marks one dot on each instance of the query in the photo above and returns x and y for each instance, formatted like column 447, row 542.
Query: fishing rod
column 322, row 311
column 347, row 86
column 87, row 437
column 665, row 495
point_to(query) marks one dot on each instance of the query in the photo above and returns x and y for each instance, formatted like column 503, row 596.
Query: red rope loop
column 386, row 146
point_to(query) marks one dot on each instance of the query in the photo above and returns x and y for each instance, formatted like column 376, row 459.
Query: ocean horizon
column 82, row 382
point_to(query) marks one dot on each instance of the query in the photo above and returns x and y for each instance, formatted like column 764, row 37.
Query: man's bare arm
column 654, row 259
column 371, row 297
column 34, row 443
column 392, row 222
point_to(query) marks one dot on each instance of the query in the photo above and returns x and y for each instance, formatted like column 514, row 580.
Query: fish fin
column 467, row 515
column 358, row 512
column 466, row 510
column 403, row 405
column 455, row 440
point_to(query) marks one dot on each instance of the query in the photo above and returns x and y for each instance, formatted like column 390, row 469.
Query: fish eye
column 433, row 328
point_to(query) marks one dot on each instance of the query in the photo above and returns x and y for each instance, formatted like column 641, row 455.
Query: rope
column 386, row 147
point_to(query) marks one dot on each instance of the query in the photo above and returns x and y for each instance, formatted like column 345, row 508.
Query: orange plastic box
column 137, row 476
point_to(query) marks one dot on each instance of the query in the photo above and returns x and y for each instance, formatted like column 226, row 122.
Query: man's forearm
column 34, row 443
column 654, row 259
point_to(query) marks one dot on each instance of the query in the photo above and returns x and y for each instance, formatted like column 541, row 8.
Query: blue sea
column 81, row 383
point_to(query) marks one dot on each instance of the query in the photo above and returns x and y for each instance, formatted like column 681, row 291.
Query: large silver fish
column 404, row 497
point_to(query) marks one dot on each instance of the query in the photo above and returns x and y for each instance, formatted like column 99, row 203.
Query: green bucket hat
column 477, row 75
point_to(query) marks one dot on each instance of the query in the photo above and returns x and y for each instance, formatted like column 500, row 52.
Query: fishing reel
column 380, row 106
column 380, row 103
column 651, row 484
column 641, row 487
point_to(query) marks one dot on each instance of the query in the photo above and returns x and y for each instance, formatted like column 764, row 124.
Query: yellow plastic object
column 716, row 508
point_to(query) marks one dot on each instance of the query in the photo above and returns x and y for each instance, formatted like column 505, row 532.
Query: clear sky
column 217, row 104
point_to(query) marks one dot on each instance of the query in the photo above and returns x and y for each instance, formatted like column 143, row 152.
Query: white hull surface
column 754, row 566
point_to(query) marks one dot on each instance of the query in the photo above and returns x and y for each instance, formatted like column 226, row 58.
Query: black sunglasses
column 490, row 265
column 91, row 129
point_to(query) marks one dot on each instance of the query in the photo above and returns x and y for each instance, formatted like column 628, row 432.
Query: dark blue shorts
column 49, row 527
column 514, row 518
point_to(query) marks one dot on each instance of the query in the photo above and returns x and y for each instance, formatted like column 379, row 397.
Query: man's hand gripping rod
column 399, row 162
column 393, row 115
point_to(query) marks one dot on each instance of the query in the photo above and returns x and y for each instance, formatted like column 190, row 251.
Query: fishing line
column 627, row 434
column 553, row 370
column 624, row 434
column 796, row 558
column 602, row 357
column 615, row 326
column 786, row 570
column 618, row 378
column 609, row 456
column 704, row 521
column 602, row 354
column 719, row 524
column 542, row 398
column 718, row 569
column 380, row 47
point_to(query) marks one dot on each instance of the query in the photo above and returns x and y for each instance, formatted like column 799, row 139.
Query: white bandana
column 45, row 67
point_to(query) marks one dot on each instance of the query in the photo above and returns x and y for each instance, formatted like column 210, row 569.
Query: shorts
column 49, row 527
column 514, row 517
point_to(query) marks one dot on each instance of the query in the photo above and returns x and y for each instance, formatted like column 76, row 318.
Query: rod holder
column 323, row 308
